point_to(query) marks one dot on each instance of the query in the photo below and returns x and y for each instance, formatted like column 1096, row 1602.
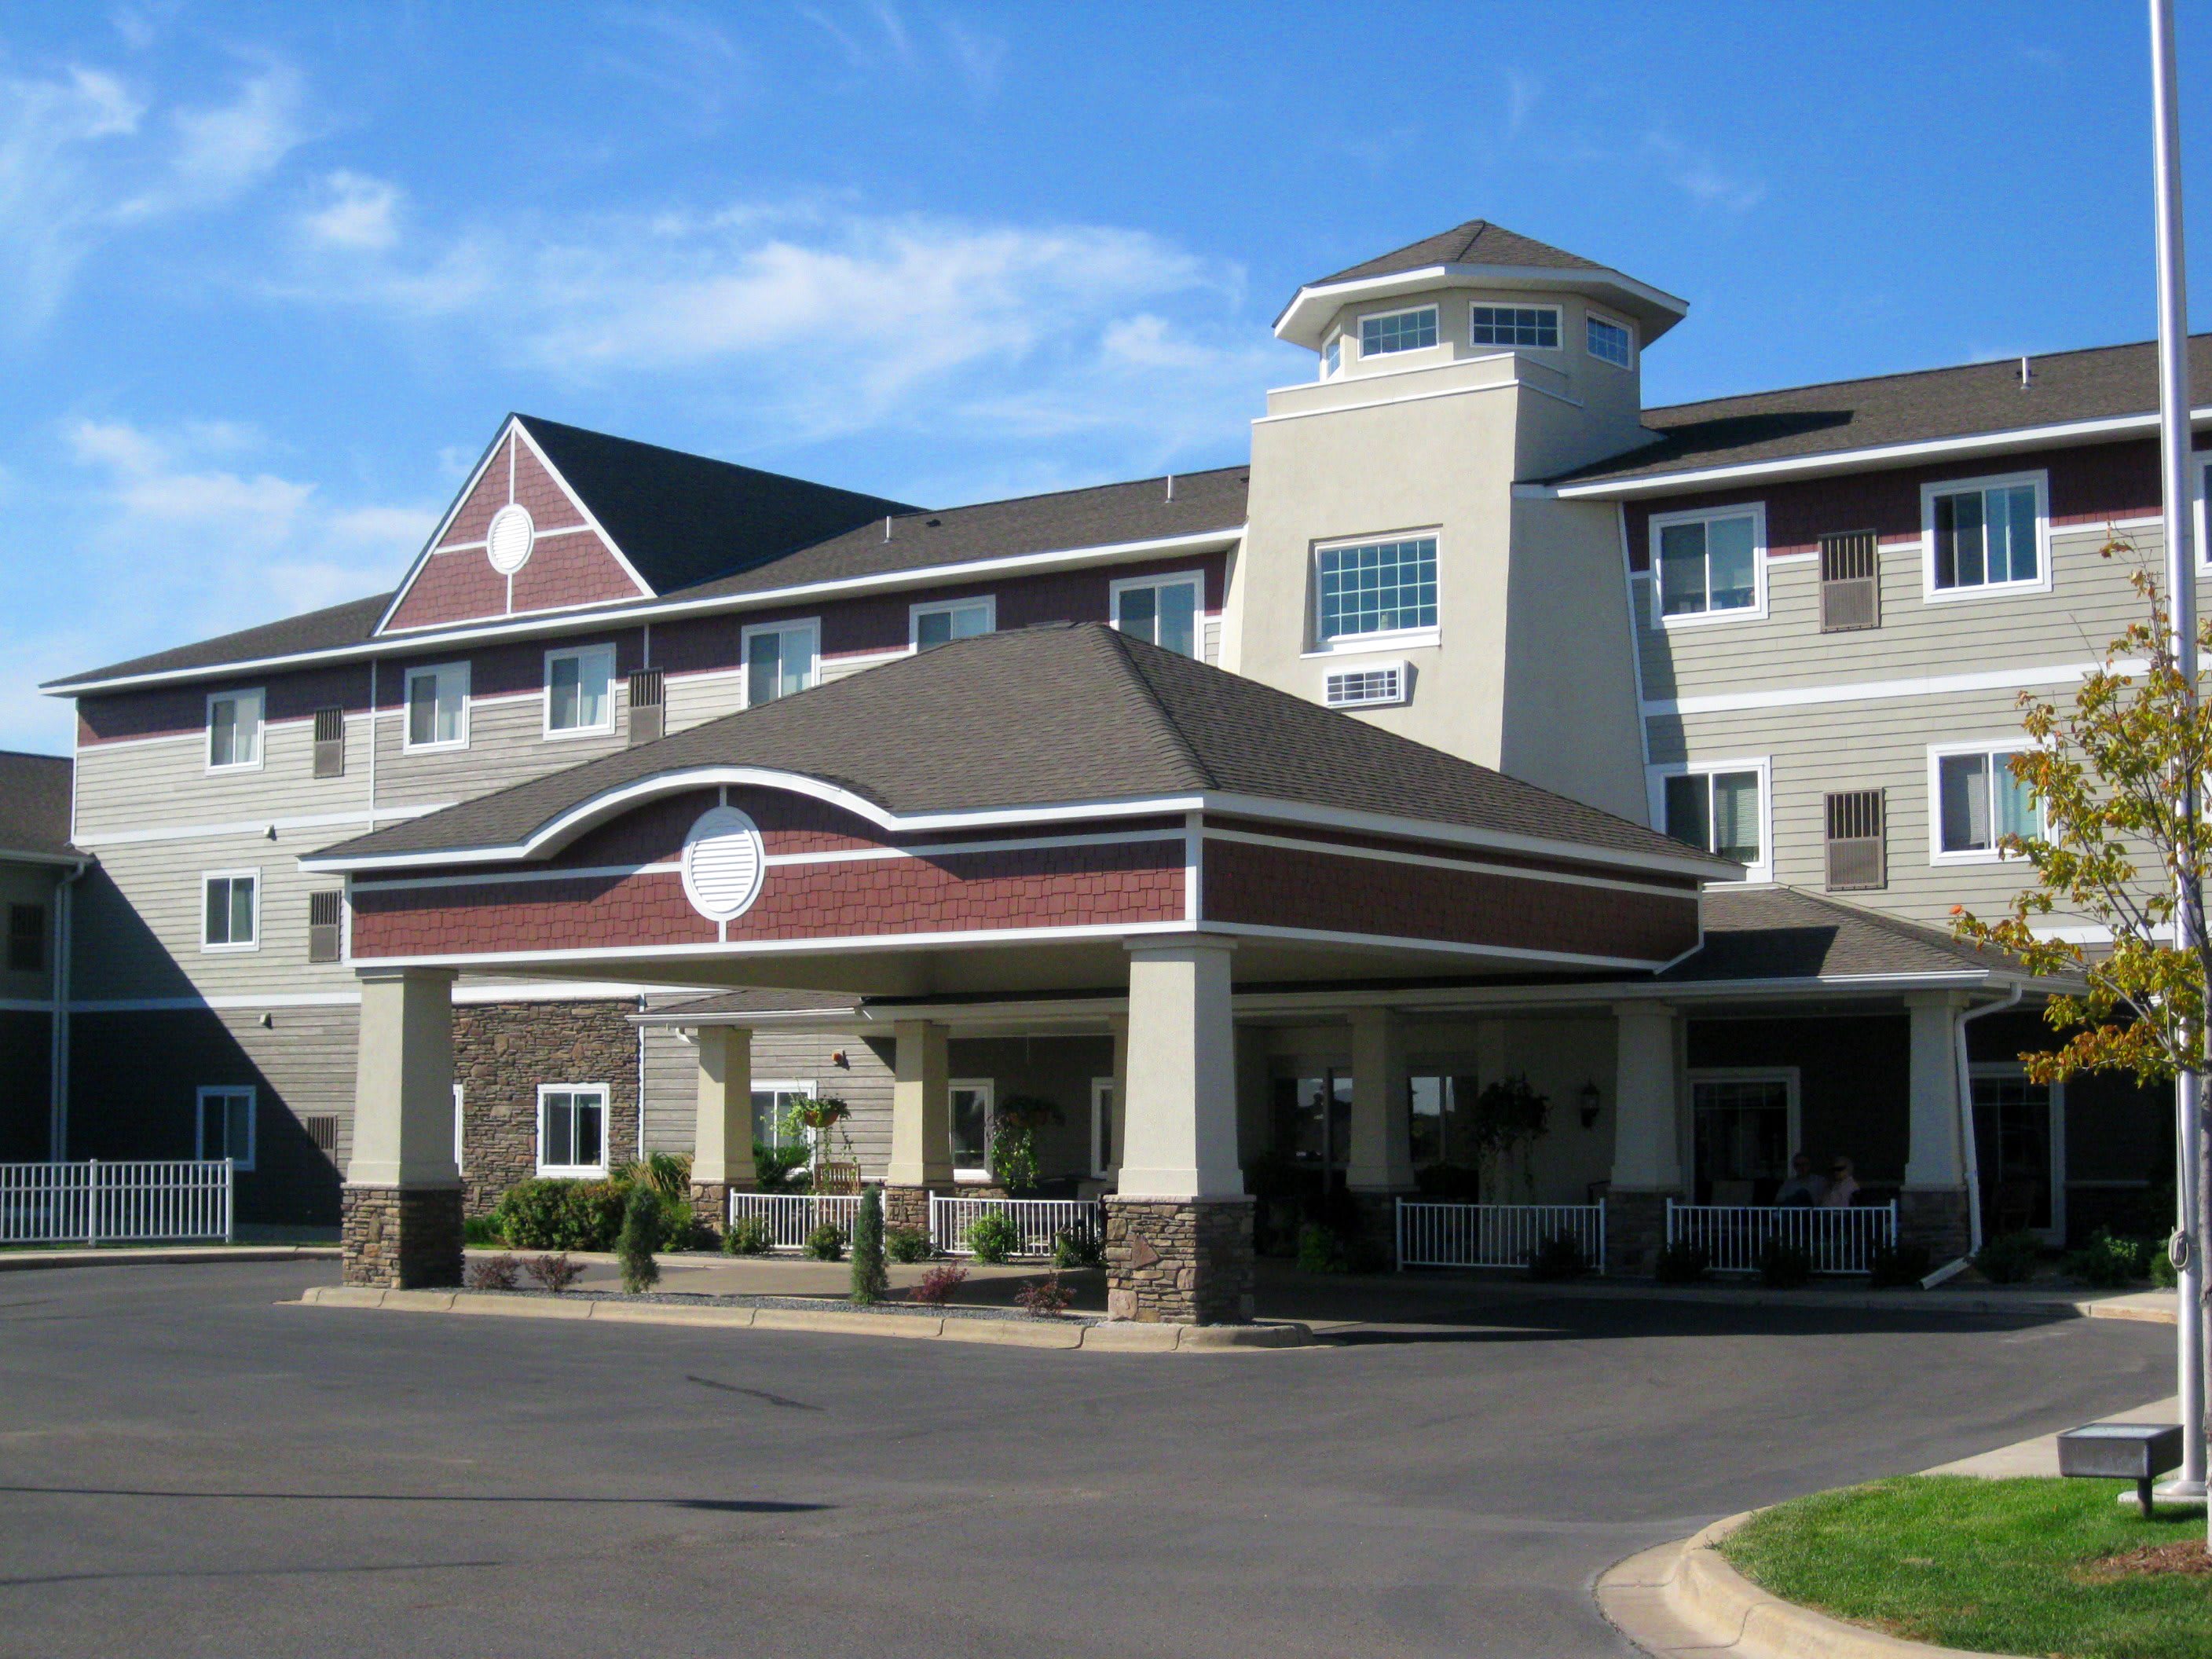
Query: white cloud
column 359, row 213
column 1521, row 92
column 1700, row 177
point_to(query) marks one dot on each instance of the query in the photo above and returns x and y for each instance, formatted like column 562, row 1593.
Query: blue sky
column 270, row 275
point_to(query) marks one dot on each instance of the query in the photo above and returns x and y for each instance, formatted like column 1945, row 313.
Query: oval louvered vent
column 508, row 541
column 722, row 864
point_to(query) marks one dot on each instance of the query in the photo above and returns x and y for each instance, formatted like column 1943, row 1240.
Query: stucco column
column 400, row 1211
column 1647, row 1155
column 921, row 1107
column 1932, row 1205
column 722, row 1140
column 1179, row 1228
column 1380, row 1155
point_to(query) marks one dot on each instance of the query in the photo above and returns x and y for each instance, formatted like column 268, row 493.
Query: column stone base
column 1179, row 1261
column 1636, row 1230
column 710, row 1203
column 1378, row 1228
column 400, row 1238
column 1935, row 1217
column 906, row 1206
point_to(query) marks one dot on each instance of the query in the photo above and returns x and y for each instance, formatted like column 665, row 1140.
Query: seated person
column 1843, row 1186
column 1803, row 1190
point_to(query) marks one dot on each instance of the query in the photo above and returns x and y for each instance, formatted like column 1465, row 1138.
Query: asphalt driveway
column 192, row 1468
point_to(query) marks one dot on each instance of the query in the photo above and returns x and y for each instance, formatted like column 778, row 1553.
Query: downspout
column 1967, row 1119
column 58, row 1022
column 641, row 1082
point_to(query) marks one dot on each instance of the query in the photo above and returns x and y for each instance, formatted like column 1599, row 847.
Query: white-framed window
column 2201, row 475
column 781, row 658
column 773, row 1098
column 460, row 1134
column 1745, row 1127
column 939, row 622
column 580, row 690
column 968, row 1128
column 1709, row 565
column 572, row 1129
column 1102, row 1125
column 1397, row 331
column 226, row 1112
column 437, row 707
column 1722, row 807
column 1974, row 802
column 1375, row 591
column 1167, row 610
column 1985, row 535
column 1607, row 341
column 1332, row 355
column 1513, row 325
column 230, row 910
column 233, row 723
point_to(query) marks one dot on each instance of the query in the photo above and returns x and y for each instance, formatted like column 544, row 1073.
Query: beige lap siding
column 1285, row 887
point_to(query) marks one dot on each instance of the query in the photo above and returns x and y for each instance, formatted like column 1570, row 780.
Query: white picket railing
column 1732, row 1236
column 1494, row 1234
column 102, row 1202
column 792, row 1216
column 1038, row 1220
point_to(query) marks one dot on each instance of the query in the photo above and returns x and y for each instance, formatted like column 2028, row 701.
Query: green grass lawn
column 1993, row 1566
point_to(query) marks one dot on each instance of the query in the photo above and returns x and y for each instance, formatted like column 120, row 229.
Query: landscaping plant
column 546, row 1214
column 1679, row 1263
column 1560, row 1256
column 905, row 1243
column 642, row 1222
column 1894, row 1269
column 479, row 1231
column 554, row 1272
column 748, row 1236
column 872, row 1281
column 1047, row 1298
column 2106, row 1263
column 1322, row 1251
column 938, row 1283
column 778, row 1169
column 2009, row 1258
column 993, row 1237
column 498, row 1272
column 826, row 1242
column 1012, row 1157
column 1077, row 1247
column 1784, row 1265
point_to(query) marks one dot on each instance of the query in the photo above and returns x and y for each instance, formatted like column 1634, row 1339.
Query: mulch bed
column 2188, row 1557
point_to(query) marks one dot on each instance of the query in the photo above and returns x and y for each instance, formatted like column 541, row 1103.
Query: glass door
column 2014, row 1145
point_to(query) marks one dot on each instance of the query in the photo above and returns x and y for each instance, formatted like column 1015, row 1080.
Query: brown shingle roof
column 1477, row 242
column 1784, row 932
column 34, row 804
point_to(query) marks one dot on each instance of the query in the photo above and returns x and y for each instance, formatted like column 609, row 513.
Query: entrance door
column 1312, row 1119
column 1744, row 1124
column 2016, row 1128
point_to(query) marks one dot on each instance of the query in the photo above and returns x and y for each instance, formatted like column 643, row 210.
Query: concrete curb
column 2065, row 1302
column 1116, row 1338
column 17, row 1261
column 1683, row 1598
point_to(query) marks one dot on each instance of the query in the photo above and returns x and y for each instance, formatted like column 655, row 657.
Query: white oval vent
column 722, row 864
column 508, row 541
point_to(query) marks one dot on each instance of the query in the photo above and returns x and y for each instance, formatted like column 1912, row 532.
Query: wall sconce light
column 268, row 1022
column 1589, row 1098
column 838, row 1059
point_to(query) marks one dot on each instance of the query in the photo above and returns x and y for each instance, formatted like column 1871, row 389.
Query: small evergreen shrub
column 826, row 1242
column 1322, row 1251
column 554, row 1272
column 644, row 1220
column 993, row 1237
column 681, row 1228
column 1894, row 1269
column 2009, row 1259
column 481, row 1231
column 498, row 1272
column 1679, row 1263
column 1046, row 1299
column 2162, row 1271
column 748, row 1236
column 938, row 1283
column 871, row 1281
column 545, row 1214
column 905, row 1243
column 1784, row 1265
column 1077, row 1247
column 1560, row 1256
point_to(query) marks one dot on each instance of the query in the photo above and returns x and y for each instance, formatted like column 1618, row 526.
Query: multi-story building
column 1787, row 629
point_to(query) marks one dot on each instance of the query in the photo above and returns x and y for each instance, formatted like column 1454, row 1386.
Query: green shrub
column 1047, row 1298
column 993, row 1237
column 905, row 1243
column 1679, row 1263
column 1077, row 1247
column 871, row 1281
column 645, row 1217
column 481, row 1231
column 777, row 1169
column 560, row 1215
column 1322, row 1251
column 2106, row 1262
column 681, row 1228
column 2162, row 1271
column 1784, row 1265
column 748, row 1236
column 2009, row 1259
column 826, row 1242
column 1893, row 1269
column 1560, row 1256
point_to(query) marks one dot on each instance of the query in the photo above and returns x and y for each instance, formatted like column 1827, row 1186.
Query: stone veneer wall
column 502, row 1051
column 400, row 1238
column 1180, row 1261
column 1935, row 1218
column 1635, row 1231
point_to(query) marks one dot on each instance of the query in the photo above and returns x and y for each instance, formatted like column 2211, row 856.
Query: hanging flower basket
column 818, row 1115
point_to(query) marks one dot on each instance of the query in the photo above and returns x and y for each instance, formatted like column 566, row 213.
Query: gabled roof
column 1925, row 406
column 1061, row 716
column 1786, row 933
column 35, row 805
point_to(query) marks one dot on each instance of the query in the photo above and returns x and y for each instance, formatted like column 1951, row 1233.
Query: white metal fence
column 791, row 1216
column 100, row 1202
column 1495, row 1235
column 1038, row 1220
column 1733, row 1235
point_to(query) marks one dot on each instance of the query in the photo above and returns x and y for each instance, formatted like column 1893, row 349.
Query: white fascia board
column 1309, row 312
column 415, row 643
column 1861, row 460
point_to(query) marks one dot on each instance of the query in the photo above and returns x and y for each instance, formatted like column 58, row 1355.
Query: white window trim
column 2199, row 461
column 1756, row 612
column 1762, row 764
column 574, row 1171
column 1192, row 579
column 578, row 651
column 224, row 1091
column 988, row 1088
column 1359, row 331
column 1102, row 1124
column 2012, row 744
column 260, row 730
column 461, row 1133
column 810, row 626
column 1395, row 639
column 253, row 944
column 1626, row 327
column 1336, row 339
column 916, row 613
column 780, row 1086
column 1786, row 1075
column 1932, row 594
column 432, row 671
column 1559, row 325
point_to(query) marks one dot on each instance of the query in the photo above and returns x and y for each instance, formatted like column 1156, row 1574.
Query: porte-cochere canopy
column 1011, row 810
